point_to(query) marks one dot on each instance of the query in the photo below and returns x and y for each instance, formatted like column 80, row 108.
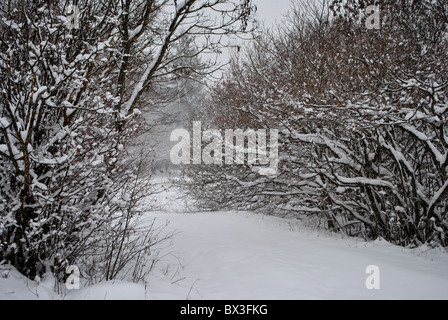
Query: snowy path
column 239, row 255
column 246, row 256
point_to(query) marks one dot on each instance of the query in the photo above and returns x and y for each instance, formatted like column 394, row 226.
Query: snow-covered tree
column 69, row 104
column 362, row 115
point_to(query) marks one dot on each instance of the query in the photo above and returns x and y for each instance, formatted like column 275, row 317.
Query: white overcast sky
column 271, row 10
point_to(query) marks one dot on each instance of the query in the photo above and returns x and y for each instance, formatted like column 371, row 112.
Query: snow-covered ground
column 241, row 255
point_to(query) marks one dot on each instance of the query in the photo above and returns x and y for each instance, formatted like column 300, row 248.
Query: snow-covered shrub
column 362, row 116
column 69, row 114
